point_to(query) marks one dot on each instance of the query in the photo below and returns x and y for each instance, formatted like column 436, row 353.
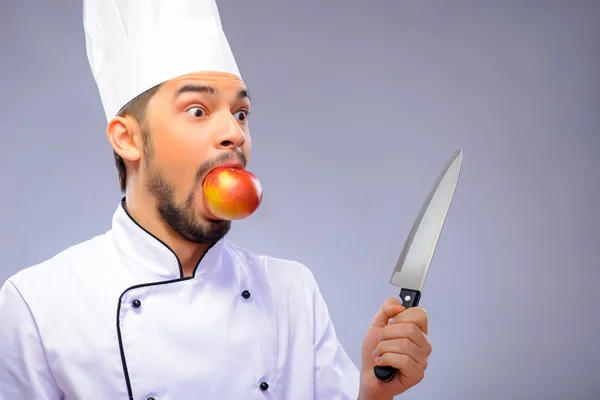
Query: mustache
column 223, row 158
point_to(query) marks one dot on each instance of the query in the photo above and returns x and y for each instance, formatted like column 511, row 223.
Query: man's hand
column 397, row 337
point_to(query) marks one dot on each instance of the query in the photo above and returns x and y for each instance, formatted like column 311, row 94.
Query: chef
column 162, row 306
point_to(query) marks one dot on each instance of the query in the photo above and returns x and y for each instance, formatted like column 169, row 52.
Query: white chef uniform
column 112, row 318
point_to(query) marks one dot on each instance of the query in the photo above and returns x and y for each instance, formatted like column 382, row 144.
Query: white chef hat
column 133, row 45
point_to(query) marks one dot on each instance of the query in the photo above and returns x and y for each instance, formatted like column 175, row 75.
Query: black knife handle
column 409, row 298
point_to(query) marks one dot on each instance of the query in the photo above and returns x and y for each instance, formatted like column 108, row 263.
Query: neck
column 143, row 210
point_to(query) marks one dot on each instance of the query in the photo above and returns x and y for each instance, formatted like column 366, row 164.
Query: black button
column 150, row 398
column 136, row 304
column 264, row 386
column 245, row 294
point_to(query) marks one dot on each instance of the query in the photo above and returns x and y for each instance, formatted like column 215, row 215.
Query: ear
column 122, row 133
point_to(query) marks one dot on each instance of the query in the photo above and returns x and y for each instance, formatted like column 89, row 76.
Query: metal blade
column 413, row 264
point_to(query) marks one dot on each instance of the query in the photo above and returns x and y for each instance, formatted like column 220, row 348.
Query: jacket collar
column 143, row 252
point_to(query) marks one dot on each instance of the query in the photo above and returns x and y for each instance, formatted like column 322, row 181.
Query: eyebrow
column 242, row 94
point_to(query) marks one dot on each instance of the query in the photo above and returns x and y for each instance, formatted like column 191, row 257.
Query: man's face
column 194, row 123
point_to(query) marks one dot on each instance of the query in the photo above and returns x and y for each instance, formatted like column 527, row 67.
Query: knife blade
column 413, row 263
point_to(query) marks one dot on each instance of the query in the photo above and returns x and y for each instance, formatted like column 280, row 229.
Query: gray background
column 357, row 105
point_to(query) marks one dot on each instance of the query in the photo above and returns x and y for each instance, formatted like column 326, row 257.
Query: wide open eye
column 196, row 112
column 242, row 115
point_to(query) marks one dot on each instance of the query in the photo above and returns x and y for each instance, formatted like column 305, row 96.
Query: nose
column 229, row 134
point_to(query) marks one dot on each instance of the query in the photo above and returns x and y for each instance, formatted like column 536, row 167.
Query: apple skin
column 231, row 193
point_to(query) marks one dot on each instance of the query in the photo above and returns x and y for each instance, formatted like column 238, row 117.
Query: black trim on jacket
column 180, row 279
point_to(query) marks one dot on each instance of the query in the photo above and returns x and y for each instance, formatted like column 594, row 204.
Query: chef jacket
column 113, row 318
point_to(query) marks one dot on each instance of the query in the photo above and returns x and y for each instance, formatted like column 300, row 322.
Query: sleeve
column 336, row 376
column 24, row 370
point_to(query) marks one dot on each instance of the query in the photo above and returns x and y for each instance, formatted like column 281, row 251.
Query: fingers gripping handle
column 409, row 298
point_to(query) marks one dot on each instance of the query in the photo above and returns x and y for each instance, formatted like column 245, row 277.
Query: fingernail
column 378, row 360
column 374, row 353
column 391, row 321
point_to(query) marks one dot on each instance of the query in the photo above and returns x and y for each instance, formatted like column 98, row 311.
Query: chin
column 214, row 221
column 204, row 216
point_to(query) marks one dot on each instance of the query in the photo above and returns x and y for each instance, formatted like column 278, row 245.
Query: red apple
column 231, row 193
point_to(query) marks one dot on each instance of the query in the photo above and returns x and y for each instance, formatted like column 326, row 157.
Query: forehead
column 218, row 84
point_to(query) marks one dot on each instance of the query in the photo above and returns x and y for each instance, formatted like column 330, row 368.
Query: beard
column 183, row 219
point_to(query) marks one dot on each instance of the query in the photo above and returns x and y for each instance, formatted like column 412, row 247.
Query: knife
column 413, row 264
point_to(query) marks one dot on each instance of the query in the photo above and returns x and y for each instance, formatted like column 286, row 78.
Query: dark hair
column 137, row 109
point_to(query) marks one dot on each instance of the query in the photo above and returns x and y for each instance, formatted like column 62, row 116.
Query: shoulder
column 56, row 271
column 270, row 264
column 287, row 274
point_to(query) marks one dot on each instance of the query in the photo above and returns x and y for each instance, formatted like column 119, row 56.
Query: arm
column 24, row 370
column 336, row 377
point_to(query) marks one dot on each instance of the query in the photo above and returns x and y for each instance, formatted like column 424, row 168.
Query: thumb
column 389, row 309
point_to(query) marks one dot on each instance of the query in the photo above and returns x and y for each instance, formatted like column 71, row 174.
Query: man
column 162, row 306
